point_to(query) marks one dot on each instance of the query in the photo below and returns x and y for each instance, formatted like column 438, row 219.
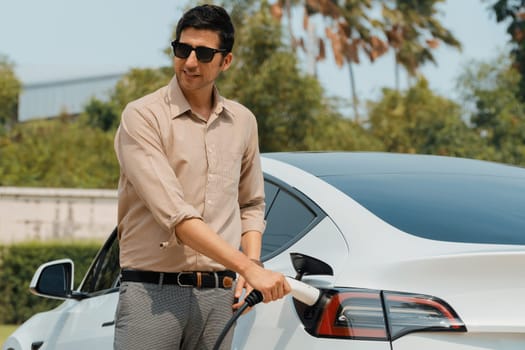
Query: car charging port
column 309, row 314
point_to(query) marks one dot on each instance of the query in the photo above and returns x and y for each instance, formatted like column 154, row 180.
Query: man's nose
column 192, row 59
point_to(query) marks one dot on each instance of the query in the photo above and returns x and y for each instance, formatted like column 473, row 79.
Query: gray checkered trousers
column 157, row 317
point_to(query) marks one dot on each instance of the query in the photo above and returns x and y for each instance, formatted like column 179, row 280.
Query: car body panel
column 323, row 240
column 276, row 325
column 40, row 327
column 461, row 341
column 486, row 289
column 95, row 313
column 72, row 325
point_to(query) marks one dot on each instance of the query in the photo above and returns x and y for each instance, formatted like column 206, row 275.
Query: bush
column 18, row 263
column 57, row 153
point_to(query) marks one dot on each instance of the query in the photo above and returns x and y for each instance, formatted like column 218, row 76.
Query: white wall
column 53, row 213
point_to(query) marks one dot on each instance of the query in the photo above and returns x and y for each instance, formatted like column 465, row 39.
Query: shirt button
column 209, row 201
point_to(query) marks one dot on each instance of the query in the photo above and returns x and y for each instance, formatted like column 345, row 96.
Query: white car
column 410, row 252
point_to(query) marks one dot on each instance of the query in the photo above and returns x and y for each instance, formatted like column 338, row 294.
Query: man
column 191, row 194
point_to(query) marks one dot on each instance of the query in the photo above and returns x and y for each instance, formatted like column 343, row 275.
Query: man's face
column 193, row 75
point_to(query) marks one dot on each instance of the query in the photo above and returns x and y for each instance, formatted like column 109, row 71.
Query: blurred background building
column 50, row 99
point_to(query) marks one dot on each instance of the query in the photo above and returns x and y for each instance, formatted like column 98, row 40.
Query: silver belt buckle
column 178, row 279
column 216, row 276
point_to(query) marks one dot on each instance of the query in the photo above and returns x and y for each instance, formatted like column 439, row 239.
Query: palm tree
column 349, row 30
column 410, row 27
column 412, row 30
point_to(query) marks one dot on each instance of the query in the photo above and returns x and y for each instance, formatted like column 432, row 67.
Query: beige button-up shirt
column 175, row 165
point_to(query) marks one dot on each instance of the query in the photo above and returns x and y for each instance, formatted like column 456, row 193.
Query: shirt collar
column 177, row 102
column 179, row 105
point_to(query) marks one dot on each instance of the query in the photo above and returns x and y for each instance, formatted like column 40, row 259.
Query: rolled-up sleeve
column 144, row 164
column 251, row 187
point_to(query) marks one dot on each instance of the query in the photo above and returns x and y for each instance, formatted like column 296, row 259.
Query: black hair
column 209, row 17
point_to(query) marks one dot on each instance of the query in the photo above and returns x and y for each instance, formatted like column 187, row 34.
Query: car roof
column 323, row 164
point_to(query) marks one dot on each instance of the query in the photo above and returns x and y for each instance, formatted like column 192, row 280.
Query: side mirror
column 54, row 279
column 307, row 265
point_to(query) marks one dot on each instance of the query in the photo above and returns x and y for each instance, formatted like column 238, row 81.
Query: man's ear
column 227, row 61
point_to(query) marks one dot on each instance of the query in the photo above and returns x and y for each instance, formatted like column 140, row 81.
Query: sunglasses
column 204, row 54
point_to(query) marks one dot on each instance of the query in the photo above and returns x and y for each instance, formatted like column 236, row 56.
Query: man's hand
column 271, row 284
column 241, row 285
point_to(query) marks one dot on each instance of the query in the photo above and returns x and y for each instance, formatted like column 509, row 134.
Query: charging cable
column 253, row 298
column 301, row 291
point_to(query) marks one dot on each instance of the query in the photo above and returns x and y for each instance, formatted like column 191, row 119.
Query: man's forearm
column 199, row 236
column 251, row 243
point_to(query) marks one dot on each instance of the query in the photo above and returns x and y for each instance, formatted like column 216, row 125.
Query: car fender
column 41, row 327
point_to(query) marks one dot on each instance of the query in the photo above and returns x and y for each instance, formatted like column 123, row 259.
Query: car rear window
column 446, row 207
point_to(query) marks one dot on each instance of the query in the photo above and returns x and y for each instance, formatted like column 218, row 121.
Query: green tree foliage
column 513, row 12
column 491, row 89
column 10, row 88
column 136, row 83
column 418, row 121
column 140, row 82
column 57, row 153
column 101, row 115
column 333, row 133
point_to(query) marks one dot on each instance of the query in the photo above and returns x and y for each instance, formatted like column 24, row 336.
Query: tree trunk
column 396, row 69
column 355, row 101
column 288, row 9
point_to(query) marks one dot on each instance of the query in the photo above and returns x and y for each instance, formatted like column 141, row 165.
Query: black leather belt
column 199, row 279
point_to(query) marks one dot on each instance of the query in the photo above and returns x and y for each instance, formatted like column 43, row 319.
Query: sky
column 64, row 39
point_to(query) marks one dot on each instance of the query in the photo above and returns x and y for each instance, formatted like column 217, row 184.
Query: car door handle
column 107, row 324
column 36, row 345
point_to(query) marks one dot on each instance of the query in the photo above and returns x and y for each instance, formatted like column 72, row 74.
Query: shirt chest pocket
column 228, row 170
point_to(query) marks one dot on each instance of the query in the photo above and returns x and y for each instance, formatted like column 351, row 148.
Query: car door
column 89, row 323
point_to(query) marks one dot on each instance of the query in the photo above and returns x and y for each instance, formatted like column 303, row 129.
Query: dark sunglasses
column 204, row 54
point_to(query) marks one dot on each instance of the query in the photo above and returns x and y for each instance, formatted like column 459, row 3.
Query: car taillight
column 376, row 315
column 353, row 314
column 416, row 312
